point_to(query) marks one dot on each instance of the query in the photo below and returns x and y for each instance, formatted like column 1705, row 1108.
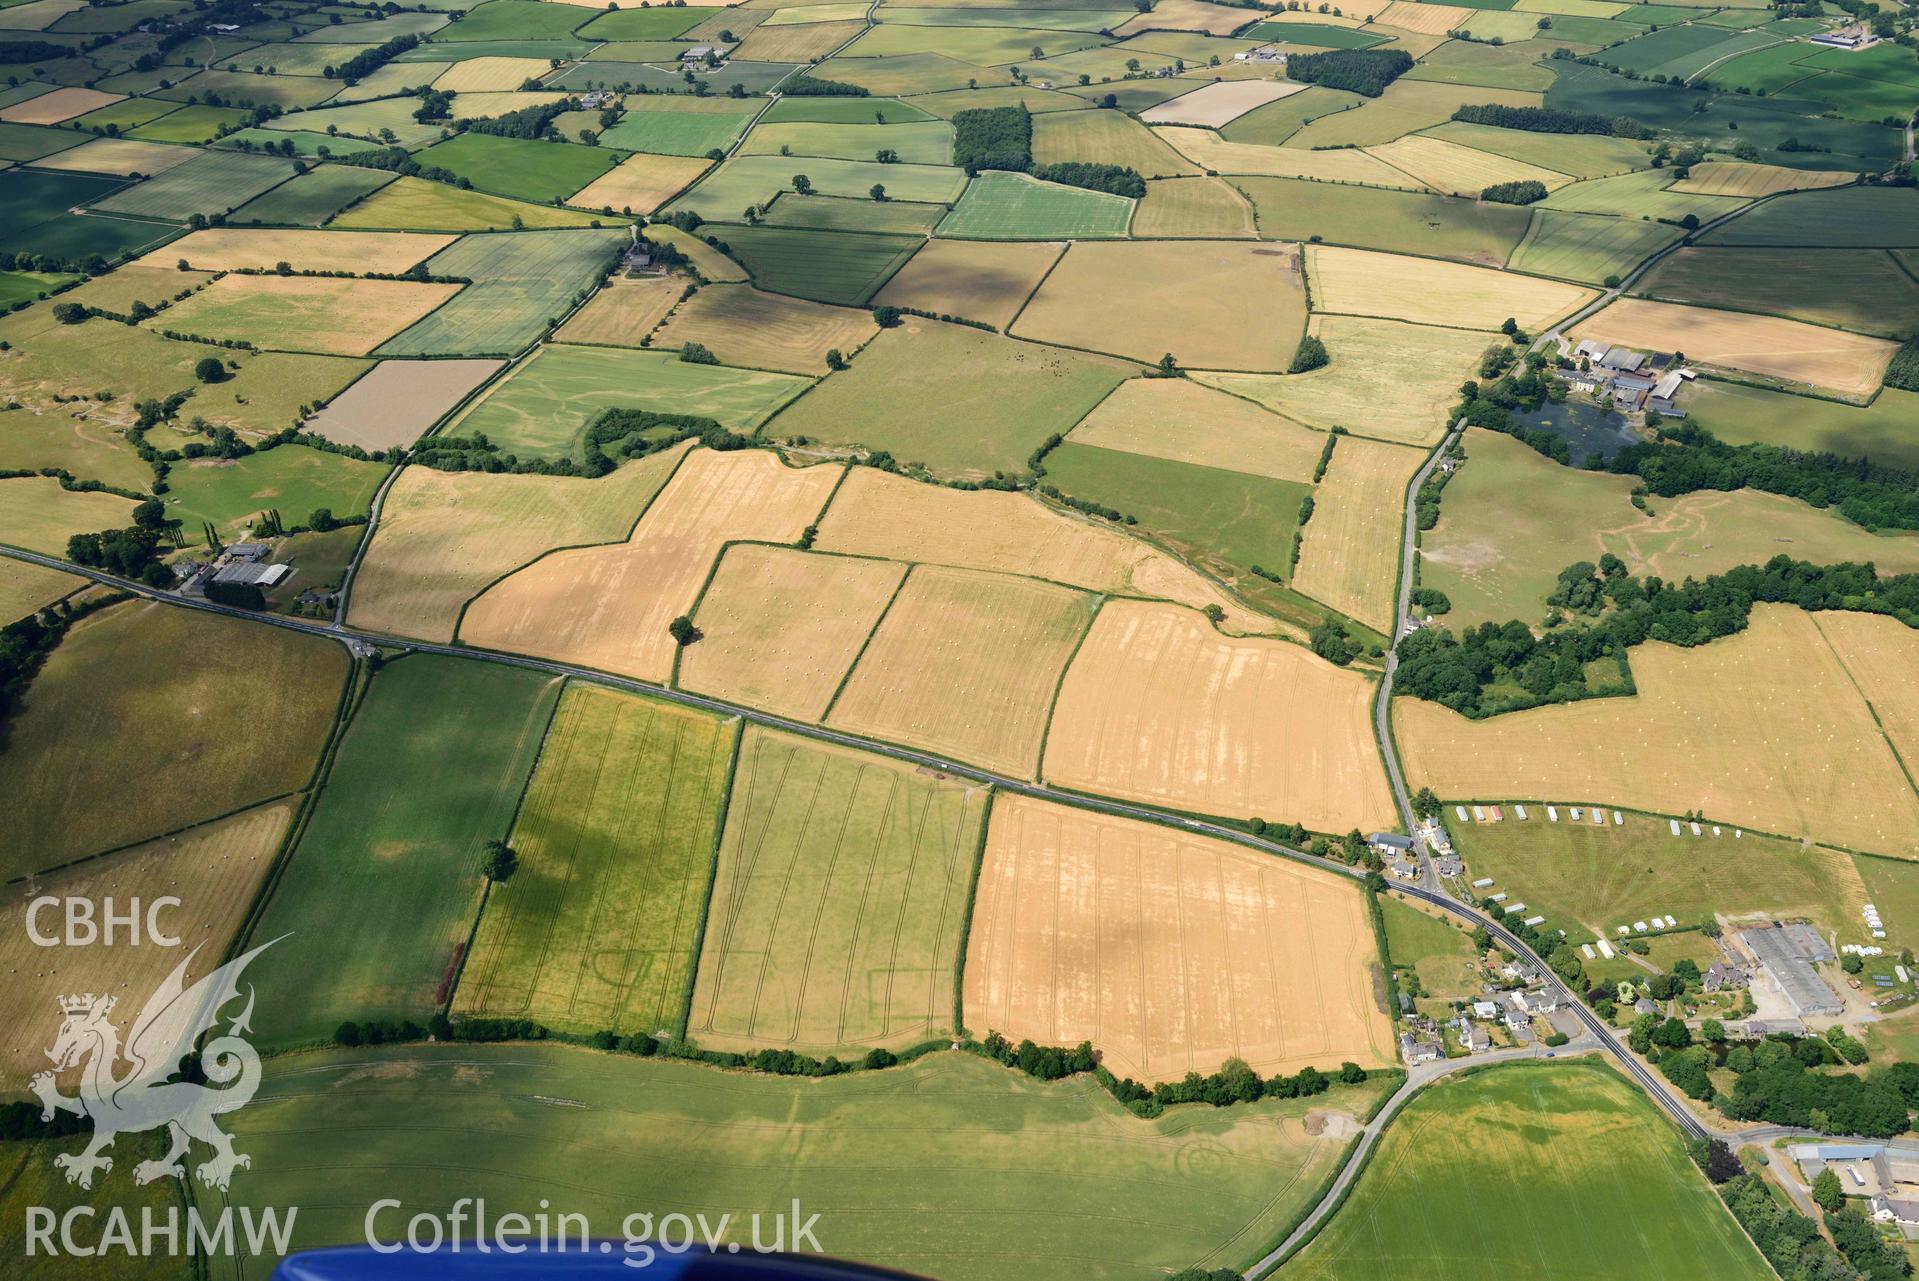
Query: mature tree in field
column 1425, row 802
column 886, row 317
column 887, row 156
column 69, row 313
column 1168, row 367
column 501, row 861
column 877, row 191
column 322, row 520
column 1311, row 354
column 683, row 631
column 802, row 184
column 835, row 358
column 696, row 353
column 210, row 370
column 1827, row 1194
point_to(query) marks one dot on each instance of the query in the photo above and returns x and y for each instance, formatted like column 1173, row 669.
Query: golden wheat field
column 1765, row 729
column 744, row 326
column 1723, row 178
column 1454, row 170
column 1850, row 364
column 242, row 248
column 1426, row 291
column 782, row 626
column 1158, row 707
column 1179, row 419
column 608, row 607
column 965, row 664
column 444, row 537
column 1214, row 154
column 1170, row 953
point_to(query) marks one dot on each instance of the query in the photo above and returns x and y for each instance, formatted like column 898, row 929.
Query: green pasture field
column 1838, row 218
column 1771, row 69
column 1313, row 34
column 245, row 89
column 676, row 133
column 843, row 111
column 948, row 103
column 980, row 46
column 827, row 266
column 927, row 142
column 376, row 32
column 522, row 281
column 1663, row 951
column 1002, row 1172
column 1643, row 194
column 293, row 479
column 1095, row 16
column 524, row 168
column 1224, row 521
column 34, row 204
column 961, row 401
column 1109, row 138
column 728, row 189
column 1373, row 218
column 1588, row 247
column 364, row 121
column 1132, row 96
column 1670, row 49
column 1881, row 431
column 318, row 560
column 114, row 748
column 414, row 204
column 32, row 142
column 523, row 20
column 1593, row 31
column 1008, row 206
column 1588, row 880
column 1507, row 27
column 564, row 47
column 381, row 890
column 26, row 286
column 305, row 144
column 30, row 1179
column 1581, row 155
column 660, row 23
column 912, row 73
column 118, row 18
column 1275, row 122
column 1763, row 122
column 1515, row 1167
column 1439, row 952
column 1863, row 290
column 1513, row 66
column 210, row 183
column 843, row 213
column 839, row 902
column 194, row 124
column 597, row 930
column 1892, row 886
column 620, row 75
column 542, row 409
column 314, row 197
column 129, row 113
column 89, row 450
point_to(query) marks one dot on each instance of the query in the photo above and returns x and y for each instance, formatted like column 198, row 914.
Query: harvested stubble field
column 237, row 248
column 522, row 282
column 380, row 892
column 839, row 902
column 796, row 42
column 398, row 400
column 1427, row 19
column 1720, row 178
column 966, row 663
column 1170, row 303
column 597, row 929
column 108, row 748
column 1106, row 138
column 1220, row 103
column 1880, row 654
column 962, row 402
column 1357, row 282
column 1858, row 289
column 747, row 327
column 1349, row 556
column 1193, row 207
column 213, row 871
column 1387, row 379
column 1807, row 760
column 641, row 183
column 544, row 406
column 444, row 537
column 323, row 314
column 622, row 311
column 971, row 279
column 1442, row 226
column 1583, row 874
column 25, row 588
column 1644, row 194
column 877, row 514
column 39, row 515
column 1170, row 953
column 60, row 104
column 1845, row 363
column 608, row 607
column 782, row 627
column 917, row 142
column 1158, row 707
column 123, row 156
column 1460, row 171
column 1177, row 419
column 1575, row 155
column 212, row 182
column 1210, row 152
column 755, row 180
column 1570, row 1146
column 1053, row 1179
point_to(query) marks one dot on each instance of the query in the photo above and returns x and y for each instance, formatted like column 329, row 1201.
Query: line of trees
column 1524, row 191
column 367, row 61
column 630, row 433
column 1115, row 179
column 821, row 87
column 1550, row 120
column 1903, row 372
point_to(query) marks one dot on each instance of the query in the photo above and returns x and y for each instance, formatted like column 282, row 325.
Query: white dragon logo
column 169, row 1024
